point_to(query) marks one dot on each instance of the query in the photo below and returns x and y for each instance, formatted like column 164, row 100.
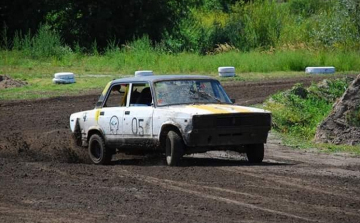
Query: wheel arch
column 164, row 131
column 93, row 131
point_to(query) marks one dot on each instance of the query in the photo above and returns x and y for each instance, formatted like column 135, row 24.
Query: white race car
column 173, row 114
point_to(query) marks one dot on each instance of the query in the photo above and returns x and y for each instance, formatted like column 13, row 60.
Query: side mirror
column 233, row 101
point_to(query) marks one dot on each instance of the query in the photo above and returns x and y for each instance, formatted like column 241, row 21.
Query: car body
column 174, row 114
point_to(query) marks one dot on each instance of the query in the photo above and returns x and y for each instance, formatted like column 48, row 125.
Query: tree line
column 86, row 21
column 201, row 26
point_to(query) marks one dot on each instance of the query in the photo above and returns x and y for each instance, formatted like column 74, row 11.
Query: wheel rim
column 96, row 150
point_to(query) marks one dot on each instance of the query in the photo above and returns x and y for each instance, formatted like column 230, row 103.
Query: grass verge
column 128, row 61
column 44, row 88
column 250, row 66
column 298, row 143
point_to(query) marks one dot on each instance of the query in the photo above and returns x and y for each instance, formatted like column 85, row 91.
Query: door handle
column 102, row 113
column 127, row 112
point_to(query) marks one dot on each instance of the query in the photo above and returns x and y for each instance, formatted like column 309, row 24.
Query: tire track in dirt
column 180, row 187
column 45, row 216
column 193, row 189
column 198, row 190
column 112, row 176
column 296, row 185
column 288, row 181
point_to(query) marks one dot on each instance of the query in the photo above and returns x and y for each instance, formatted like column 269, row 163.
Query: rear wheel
column 174, row 148
column 255, row 153
column 98, row 152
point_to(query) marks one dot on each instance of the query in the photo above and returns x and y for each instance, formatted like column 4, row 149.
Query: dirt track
column 43, row 178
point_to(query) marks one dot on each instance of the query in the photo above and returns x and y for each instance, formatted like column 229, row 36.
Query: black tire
column 255, row 153
column 98, row 152
column 174, row 149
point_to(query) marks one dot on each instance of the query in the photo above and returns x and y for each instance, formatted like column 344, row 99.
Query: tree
column 86, row 21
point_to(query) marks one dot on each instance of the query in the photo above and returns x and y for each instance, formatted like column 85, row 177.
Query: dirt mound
column 342, row 126
column 8, row 82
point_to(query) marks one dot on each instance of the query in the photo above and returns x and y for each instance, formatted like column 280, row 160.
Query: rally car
column 172, row 114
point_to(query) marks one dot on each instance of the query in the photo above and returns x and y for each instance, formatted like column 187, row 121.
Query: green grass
column 250, row 66
column 44, row 88
column 298, row 143
column 190, row 63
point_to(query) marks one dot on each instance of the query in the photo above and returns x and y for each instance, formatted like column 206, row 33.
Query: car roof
column 155, row 78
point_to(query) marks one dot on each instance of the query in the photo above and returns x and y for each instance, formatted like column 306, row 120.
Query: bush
column 334, row 29
column 263, row 24
column 249, row 26
column 298, row 111
column 194, row 37
column 45, row 43
column 307, row 7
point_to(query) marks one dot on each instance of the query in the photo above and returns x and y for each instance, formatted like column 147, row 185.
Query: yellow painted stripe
column 235, row 108
column 106, row 88
column 97, row 114
column 209, row 108
column 123, row 101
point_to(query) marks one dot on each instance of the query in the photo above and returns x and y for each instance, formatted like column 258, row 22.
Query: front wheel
column 98, row 152
column 174, row 148
column 255, row 153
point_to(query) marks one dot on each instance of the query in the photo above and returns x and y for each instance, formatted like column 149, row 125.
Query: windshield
column 176, row 92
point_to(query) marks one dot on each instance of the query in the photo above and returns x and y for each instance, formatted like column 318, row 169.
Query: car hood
column 204, row 109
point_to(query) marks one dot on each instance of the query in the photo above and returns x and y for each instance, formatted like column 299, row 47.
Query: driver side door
column 110, row 115
column 137, row 117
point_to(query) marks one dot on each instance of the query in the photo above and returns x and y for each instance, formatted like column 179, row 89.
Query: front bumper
column 228, row 129
column 227, row 137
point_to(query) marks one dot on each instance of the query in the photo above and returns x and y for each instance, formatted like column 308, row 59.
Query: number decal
column 136, row 126
column 141, row 132
column 134, row 130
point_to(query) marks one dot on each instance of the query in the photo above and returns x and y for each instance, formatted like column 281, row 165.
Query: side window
column 140, row 95
column 117, row 96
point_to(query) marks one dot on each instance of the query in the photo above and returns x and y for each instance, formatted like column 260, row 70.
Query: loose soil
column 8, row 82
column 45, row 178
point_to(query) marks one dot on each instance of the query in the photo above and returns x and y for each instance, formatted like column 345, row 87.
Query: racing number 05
column 136, row 127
